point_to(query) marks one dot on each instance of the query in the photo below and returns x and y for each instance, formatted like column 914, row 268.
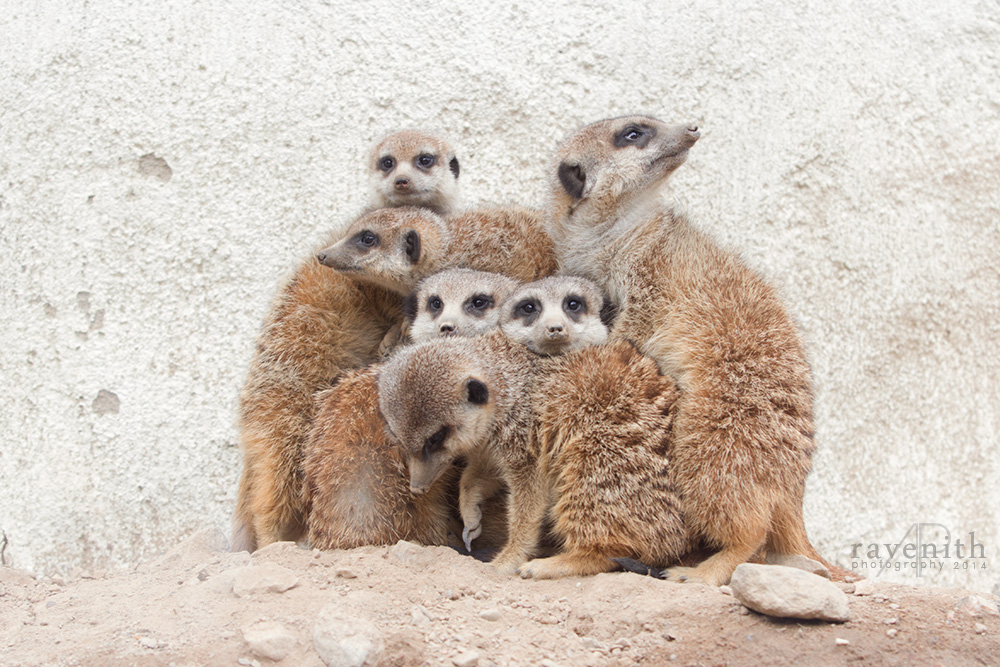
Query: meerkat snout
column 555, row 315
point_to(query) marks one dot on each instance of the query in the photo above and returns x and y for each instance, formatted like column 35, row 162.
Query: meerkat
column 743, row 429
column 467, row 398
column 384, row 248
column 457, row 302
column 355, row 476
column 555, row 315
column 413, row 168
column 322, row 323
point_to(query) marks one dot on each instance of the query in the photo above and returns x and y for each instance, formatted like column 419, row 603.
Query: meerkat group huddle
column 429, row 366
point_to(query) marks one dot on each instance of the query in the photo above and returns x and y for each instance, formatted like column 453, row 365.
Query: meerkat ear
column 609, row 312
column 453, row 165
column 412, row 244
column 573, row 179
column 478, row 393
column 410, row 307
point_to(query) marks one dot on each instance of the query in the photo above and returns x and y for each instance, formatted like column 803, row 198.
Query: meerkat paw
column 691, row 575
column 507, row 564
column 469, row 534
column 566, row 565
column 392, row 338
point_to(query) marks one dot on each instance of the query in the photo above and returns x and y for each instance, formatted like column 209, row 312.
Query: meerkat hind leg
column 577, row 563
column 718, row 568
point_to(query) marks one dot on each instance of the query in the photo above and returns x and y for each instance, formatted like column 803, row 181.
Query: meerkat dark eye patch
column 435, row 443
column 635, row 135
column 575, row 307
column 434, row 305
column 411, row 245
column 425, row 161
column 387, row 163
column 527, row 310
column 453, row 165
column 478, row 304
column 478, row 393
column 573, row 179
column 367, row 239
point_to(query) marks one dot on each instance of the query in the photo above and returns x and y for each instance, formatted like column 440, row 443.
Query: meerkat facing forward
column 355, row 476
column 414, row 168
column 743, row 427
column 555, row 315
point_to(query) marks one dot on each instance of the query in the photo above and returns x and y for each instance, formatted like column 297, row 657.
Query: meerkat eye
column 526, row 307
column 386, row 164
column 368, row 238
column 435, row 443
column 573, row 305
column 435, row 304
column 426, row 160
column 480, row 302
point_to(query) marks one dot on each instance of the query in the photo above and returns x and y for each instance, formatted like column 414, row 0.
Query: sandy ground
column 412, row 605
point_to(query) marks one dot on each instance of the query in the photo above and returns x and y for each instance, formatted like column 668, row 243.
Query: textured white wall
column 164, row 165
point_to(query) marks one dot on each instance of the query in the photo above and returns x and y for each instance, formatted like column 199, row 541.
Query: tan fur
column 609, row 462
column 356, row 478
column 744, row 429
column 321, row 324
column 414, row 168
column 555, row 315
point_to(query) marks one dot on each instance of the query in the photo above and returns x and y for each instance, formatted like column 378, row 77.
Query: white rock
column 725, row 590
column 266, row 578
column 799, row 562
column 344, row 640
column 492, row 614
column 864, row 587
column 980, row 629
column 466, row 659
column 841, row 642
column 787, row 592
column 412, row 554
column 891, row 632
column 977, row 605
column 269, row 639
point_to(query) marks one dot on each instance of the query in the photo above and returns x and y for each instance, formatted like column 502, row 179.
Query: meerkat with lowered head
column 743, row 429
column 411, row 168
column 321, row 323
column 355, row 477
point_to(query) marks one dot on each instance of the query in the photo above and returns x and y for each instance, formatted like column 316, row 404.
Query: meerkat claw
column 469, row 535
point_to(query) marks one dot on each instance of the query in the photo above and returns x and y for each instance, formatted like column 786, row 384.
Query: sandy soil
column 412, row 605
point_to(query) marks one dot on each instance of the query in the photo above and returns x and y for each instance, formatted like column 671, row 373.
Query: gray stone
column 787, row 592
column 492, row 614
column 269, row 639
column 800, row 562
column 344, row 640
column 266, row 578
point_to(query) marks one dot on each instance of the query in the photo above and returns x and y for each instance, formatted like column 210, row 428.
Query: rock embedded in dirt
column 977, row 606
column 344, row 640
column 980, row 629
column 466, row 659
column 269, row 639
column 267, row 578
column 799, row 562
column 787, row 592
column 864, row 587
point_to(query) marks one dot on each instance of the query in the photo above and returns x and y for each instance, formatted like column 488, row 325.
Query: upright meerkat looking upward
column 411, row 168
column 744, row 423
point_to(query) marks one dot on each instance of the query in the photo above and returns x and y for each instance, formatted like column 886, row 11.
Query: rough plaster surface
column 164, row 165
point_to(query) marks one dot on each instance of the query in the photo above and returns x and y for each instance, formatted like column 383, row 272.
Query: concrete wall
column 164, row 165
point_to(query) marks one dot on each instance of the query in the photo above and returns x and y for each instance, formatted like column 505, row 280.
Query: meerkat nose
column 321, row 258
column 417, row 490
column 447, row 329
column 402, row 184
column 692, row 134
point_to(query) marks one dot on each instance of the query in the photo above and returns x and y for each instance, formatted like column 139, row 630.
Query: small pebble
column 725, row 590
column 894, row 606
column 891, row 621
column 980, row 629
column 345, row 573
column 891, row 632
column 490, row 614
column 841, row 642
column 466, row 659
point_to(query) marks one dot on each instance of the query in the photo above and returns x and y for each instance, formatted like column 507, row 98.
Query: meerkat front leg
column 478, row 483
column 528, row 504
column 394, row 337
